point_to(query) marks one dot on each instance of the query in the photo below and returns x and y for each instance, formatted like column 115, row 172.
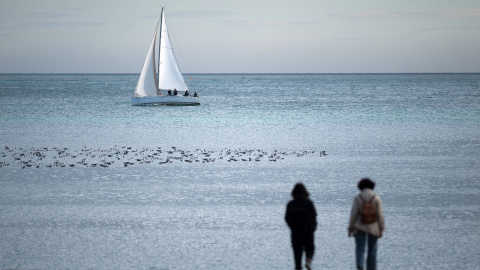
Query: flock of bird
column 128, row 156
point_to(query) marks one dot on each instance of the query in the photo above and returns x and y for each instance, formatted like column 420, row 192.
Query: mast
column 159, row 47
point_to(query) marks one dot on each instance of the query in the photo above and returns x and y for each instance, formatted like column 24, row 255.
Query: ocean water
column 90, row 182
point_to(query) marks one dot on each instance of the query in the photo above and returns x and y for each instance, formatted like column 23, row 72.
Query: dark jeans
column 302, row 240
column 361, row 239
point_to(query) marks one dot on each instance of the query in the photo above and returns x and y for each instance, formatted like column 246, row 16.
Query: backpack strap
column 363, row 200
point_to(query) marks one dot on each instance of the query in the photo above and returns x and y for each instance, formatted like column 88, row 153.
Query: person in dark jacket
column 301, row 218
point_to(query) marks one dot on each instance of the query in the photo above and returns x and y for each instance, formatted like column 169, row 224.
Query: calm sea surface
column 90, row 182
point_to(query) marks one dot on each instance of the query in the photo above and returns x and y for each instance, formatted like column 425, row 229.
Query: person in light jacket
column 366, row 233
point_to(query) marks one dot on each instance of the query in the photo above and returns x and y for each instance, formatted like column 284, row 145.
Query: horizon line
column 229, row 73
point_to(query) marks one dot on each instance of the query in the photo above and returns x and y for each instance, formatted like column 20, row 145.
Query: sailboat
column 162, row 84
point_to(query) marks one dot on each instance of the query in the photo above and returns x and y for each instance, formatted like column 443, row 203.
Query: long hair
column 299, row 190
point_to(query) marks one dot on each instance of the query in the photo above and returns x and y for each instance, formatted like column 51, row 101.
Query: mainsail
column 169, row 75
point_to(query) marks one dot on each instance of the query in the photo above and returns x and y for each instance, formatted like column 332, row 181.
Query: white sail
column 147, row 83
column 169, row 75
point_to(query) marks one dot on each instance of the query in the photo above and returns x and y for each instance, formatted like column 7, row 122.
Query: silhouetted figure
column 366, row 223
column 301, row 217
column 186, row 93
column 195, row 94
column 169, row 92
column 175, row 92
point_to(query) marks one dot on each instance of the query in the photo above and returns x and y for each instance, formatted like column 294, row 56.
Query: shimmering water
column 416, row 135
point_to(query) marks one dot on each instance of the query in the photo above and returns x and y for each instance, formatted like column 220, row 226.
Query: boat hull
column 165, row 100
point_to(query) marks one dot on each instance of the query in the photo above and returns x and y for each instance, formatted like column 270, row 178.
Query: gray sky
column 250, row 36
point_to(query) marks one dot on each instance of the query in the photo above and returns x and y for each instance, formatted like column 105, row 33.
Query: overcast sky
column 250, row 36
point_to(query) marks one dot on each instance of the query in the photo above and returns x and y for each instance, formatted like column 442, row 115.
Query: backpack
column 369, row 214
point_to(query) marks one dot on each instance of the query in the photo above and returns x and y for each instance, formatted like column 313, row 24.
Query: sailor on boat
column 169, row 92
column 175, row 92
column 186, row 93
column 195, row 94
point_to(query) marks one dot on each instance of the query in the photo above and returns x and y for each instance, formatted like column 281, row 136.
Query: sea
column 89, row 181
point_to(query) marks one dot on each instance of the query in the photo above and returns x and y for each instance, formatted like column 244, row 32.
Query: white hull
column 165, row 100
